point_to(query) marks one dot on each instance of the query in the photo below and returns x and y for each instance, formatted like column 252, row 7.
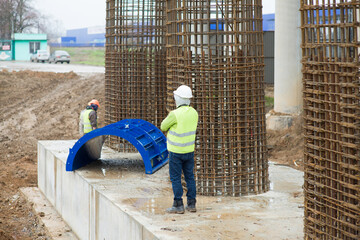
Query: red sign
column 6, row 47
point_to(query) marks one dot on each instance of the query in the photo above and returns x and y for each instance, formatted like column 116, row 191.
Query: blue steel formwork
column 144, row 136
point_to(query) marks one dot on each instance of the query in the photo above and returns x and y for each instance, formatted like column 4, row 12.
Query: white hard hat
column 183, row 91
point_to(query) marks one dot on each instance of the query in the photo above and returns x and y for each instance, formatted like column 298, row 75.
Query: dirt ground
column 45, row 106
column 35, row 106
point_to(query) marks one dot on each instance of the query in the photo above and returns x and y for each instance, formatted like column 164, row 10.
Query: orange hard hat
column 94, row 101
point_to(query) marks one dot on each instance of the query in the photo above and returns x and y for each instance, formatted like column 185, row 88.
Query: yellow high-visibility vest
column 86, row 121
column 181, row 136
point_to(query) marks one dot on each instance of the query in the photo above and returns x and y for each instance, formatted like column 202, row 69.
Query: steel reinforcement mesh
column 135, row 76
column 330, row 46
column 216, row 47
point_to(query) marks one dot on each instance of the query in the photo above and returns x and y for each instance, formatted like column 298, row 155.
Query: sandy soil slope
column 35, row 106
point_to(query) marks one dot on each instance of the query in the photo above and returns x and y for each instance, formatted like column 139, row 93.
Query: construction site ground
column 43, row 102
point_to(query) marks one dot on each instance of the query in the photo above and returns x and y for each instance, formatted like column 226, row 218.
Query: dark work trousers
column 178, row 163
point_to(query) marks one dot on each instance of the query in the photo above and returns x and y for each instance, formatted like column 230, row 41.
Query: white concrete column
column 288, row 77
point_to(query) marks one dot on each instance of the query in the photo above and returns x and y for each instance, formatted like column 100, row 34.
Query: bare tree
column 16, row 16
column 5, row 18
column 52, row 27
column 25, row 16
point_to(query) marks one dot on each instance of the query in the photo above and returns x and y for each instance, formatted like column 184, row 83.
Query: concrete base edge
column 49, row 217
column 279, row 122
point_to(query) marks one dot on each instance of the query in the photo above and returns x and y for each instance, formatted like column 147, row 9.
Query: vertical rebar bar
column 330, row 30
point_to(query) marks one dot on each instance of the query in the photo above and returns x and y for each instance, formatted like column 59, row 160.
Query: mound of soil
column 286, row 147
column 35, row 106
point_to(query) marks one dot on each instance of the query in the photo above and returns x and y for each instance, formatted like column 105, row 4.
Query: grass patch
column 269, row 102
column 85, row 55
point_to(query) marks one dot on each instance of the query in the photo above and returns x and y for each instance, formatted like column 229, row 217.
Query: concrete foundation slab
column 279, row 122
column 113, row 198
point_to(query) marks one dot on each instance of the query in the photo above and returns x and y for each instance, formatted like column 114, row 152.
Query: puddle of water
column 149, row 205
column 159, row 205
column 224, row 215
column 114, row 168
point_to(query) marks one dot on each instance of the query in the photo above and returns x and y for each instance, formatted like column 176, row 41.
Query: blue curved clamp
column 144, row 136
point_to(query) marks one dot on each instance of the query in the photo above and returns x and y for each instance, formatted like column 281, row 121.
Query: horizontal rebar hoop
column 216, row 47
column 135, row 77
column 330, row 40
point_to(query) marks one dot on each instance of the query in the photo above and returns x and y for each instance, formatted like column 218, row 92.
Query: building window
column 34, row 46
column 5, row 46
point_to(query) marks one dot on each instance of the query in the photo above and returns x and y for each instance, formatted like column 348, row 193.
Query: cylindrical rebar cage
column 135, row 77
column 216, row 47
column 330, row 47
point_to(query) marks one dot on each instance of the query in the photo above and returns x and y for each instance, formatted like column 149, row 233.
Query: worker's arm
column 81, row 123
column 168, row 122
column 93, row 119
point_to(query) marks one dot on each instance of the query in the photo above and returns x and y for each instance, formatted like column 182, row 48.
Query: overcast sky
column 88, row 13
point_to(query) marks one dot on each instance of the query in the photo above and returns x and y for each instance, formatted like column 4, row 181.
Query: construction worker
column 88, row 117
column 181, row 125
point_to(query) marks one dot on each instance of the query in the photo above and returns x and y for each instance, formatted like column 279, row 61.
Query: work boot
column 178, row 207
column 191, row 205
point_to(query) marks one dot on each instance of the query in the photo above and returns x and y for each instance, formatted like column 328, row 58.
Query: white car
column 40, row 55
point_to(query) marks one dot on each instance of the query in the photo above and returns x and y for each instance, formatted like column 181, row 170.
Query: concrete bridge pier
column 288, row 77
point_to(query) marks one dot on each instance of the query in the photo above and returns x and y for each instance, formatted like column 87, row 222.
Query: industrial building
column 83, row 37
